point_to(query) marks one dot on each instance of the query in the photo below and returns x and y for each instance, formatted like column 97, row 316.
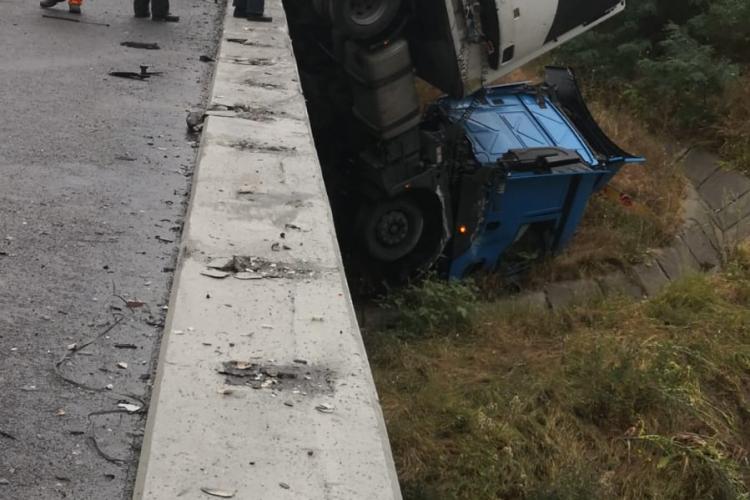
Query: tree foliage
column 670, row 59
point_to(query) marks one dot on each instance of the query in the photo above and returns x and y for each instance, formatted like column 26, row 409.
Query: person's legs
column 74, row 6
column 255, row 7
column 141, row 9
column 160, row 11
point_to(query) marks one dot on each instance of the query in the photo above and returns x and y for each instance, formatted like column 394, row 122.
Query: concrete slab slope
column 260, row 296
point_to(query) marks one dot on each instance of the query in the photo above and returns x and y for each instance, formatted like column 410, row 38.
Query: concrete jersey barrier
column 263, row 389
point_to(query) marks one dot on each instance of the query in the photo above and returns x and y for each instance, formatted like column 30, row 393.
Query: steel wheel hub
column 365, row 12
column 392, row 228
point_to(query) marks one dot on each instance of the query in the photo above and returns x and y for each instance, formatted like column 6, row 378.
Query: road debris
column 221, row 263
column 218, row 493
column 126, row 346
column 122, row 366
column 144, row 74
column 195, row 120
column 4, row 482
column 60, row 412
column 296, row 378
column 128, row 407
column 246, row 276
column 134, row 304
column 7, row 435
column 74, row 20
column 205, row 58
column 284, row 485
column 215, row 273
column 141, row 45
column 324, row 408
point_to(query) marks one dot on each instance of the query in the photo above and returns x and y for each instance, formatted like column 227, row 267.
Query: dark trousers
column 159, row 8
column 244, row 8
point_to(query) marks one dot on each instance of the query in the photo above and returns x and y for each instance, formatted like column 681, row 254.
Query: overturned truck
column 485, row 177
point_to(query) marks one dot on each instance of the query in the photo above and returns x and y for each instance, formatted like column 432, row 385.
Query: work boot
column 74, row 9
column 46, row 4
column 169, row 18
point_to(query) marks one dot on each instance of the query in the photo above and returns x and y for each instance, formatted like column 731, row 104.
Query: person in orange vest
column 73, row 5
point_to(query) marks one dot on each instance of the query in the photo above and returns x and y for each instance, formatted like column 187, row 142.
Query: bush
column 663, row 57
column 433, row 307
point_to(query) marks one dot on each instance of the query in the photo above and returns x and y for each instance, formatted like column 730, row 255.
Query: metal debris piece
column 242, row 365
column 324, row 408
column 126, row 346
column 72, row 347
column 221, row 263
column 141, row 45
column 215, row 273
column 123, row 366
column 134, row 304
column 60, row 412
column 144, row 74
column 128, row 407
column 195, row 120
column 218, row 493
column 247, row 275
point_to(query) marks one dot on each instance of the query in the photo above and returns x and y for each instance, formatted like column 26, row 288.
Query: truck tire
column 391, row 228
column 359, row 19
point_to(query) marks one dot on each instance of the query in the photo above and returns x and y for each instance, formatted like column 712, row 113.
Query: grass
column 733, row 130
column 618, row 399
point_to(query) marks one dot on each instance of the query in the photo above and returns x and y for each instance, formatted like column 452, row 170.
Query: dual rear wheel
column 391, row 229
column 359, row 19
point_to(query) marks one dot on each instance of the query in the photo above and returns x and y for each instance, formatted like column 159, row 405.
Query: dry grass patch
column 615, row 400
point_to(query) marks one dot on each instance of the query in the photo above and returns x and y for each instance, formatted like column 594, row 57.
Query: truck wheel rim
column 392, row 228
column 366, row 12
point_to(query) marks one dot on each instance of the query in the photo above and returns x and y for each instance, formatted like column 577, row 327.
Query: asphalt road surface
column 94, row 173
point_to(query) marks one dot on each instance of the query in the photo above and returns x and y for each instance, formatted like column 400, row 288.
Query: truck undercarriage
column 490, row 180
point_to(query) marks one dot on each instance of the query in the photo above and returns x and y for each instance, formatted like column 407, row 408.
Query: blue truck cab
column 539, row 157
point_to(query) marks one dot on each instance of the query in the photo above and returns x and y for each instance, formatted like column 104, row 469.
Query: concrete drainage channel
column 263, row 388
column 717, row 217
